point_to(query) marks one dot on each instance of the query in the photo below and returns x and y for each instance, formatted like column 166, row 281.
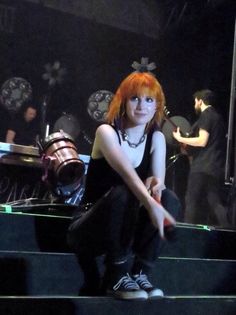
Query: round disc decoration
column 14, row 92
column 98, row 104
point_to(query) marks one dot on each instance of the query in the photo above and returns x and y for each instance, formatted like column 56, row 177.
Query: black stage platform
column 39, row 274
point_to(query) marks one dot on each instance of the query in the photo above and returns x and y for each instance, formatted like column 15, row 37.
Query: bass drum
column 60, row 153
column 170, row 124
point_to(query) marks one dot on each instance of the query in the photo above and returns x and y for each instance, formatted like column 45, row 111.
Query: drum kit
column 62, row 165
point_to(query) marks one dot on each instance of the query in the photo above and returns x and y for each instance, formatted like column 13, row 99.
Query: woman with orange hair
column 125, row 186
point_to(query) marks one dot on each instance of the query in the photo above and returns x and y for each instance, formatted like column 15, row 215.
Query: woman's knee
column 120, row 193
column 171, row 203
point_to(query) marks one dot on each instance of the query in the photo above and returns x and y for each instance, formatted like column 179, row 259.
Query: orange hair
column 137, row 83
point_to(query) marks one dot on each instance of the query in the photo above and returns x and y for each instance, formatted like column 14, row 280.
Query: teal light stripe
column 6, row 208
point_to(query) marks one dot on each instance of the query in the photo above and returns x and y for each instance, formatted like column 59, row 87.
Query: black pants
column 203, row 199
column 117, row 227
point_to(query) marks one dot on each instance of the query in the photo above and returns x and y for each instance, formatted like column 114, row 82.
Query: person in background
column 206, row 146
column 4, row 121
column 24, row 128
column 123, row 212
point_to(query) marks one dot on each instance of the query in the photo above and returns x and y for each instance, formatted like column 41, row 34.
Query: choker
column 125, row 137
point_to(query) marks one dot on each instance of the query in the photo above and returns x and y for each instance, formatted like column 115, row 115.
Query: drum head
column 69, row 124
column 70, row 172
column 168, row 128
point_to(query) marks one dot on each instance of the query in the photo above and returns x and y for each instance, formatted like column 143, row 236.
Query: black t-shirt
column 211, row 158
column 26, row 132
column 4, row 123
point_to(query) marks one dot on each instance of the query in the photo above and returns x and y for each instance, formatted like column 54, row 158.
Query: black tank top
column 101, row 177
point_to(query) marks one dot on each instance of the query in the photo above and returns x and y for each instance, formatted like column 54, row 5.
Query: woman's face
column 140, row 109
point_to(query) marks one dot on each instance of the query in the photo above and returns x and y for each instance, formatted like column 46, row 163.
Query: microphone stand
column 172, row 160
column 44, row 124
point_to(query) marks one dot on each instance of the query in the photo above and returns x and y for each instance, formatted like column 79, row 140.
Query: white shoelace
column 143, row 282
column 127, row 282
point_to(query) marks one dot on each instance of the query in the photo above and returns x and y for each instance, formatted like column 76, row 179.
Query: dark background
column 192, row 51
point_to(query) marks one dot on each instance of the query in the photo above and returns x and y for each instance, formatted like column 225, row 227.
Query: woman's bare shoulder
column 105, row 129
column 158, row 135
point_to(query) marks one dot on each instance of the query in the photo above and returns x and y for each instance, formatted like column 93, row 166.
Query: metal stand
column 171, row 163
column 230, row 167
column 172, row 160
column 44, row 124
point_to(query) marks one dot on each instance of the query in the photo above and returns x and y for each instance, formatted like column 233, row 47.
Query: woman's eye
column 134, row 98
column 149, row 99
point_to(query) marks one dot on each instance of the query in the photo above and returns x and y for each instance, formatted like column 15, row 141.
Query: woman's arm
column 107, row 145
column 156, row 182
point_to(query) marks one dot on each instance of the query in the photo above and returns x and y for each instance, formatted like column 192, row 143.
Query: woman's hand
column 158, row 216
column 154, row 186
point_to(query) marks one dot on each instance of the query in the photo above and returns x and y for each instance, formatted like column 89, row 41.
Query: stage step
column 171, row 305
column 59, row 274
column 47, row 233
column 40, row 275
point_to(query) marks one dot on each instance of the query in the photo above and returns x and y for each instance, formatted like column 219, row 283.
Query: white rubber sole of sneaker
column 155, row 294
column 124, row 295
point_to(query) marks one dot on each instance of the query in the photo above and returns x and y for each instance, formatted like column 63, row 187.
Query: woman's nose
column 140, row 103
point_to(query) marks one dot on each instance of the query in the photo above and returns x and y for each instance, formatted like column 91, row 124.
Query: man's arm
column 199, row 141
column 10, row 136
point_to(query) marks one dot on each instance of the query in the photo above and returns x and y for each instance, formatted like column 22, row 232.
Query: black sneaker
column 126, row 288
column 144, row 284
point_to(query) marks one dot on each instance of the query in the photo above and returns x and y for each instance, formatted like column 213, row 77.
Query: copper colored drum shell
column 66, row 164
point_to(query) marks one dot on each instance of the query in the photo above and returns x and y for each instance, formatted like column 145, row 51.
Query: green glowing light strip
column 204, row 227
column 6, row 208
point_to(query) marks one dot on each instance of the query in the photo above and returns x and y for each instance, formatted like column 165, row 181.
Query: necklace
column 125, row 137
